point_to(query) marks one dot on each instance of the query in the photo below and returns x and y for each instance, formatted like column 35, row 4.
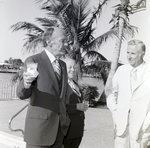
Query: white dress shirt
column 140, row 70
column 50, row 56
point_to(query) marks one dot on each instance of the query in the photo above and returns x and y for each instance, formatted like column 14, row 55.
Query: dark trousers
column 57, row 144
column 72, row 143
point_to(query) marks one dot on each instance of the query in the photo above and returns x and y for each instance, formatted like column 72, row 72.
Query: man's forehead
column 131, row 47
column 134, row 49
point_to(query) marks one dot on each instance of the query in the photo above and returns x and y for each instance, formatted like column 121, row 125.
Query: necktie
column 133, row 78
column 57, row 69
column 75, row 88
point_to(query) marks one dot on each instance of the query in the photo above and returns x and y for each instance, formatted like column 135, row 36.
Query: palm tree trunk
column 116, row 55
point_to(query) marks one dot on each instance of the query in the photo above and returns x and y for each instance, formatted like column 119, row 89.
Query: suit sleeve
column 22, row 92
column 71, row 108
column 112, row 98
column 68, row 94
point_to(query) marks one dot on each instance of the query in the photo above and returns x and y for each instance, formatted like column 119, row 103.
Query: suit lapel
column 47, row 66
column 127, row 81
column 145, row 75
column 64, row 79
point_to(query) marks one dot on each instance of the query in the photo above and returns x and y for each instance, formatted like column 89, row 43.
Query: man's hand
column 30, row 74
column 28, row 79
column 82, row 106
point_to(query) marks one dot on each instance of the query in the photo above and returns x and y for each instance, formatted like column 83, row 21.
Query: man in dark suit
column 46, row 120
column 75, row 108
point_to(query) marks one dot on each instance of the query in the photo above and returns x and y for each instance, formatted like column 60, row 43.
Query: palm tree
column 125, row 30
column 75, row 17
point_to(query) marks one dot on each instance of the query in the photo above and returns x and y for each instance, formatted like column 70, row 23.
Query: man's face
column 71, row 67
column 57, row 43
column 134, row 55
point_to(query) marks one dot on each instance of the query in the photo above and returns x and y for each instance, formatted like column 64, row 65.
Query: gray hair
column 139, row 44
column 47, row 36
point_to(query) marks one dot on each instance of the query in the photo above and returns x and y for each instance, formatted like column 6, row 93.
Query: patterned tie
column 57, row 69
column 133, row 78
column 74, row 87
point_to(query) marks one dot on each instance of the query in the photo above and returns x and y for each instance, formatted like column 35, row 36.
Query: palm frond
column 32, row 42
column 55, row 6
column 82, row 20
column 57, row 10
column 78, row 12
column 73, row 18
column 27, row 26
column 128, row 30
column 91, row 57
column 95, row 54
column 96, row 43
column 47, row 22
column 96, row 13
column 72, row 15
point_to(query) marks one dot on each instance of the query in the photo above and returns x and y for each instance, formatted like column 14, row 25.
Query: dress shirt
column 139, row 69
column 50, row 56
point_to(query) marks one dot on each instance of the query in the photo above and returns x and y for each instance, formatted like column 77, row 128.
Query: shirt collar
column 50, row 56
column 138, row 67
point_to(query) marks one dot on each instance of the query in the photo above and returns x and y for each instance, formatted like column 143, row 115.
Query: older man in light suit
column 129, row 101
column 46, row 121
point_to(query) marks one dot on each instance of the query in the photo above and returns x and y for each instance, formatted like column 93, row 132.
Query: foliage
column 90, row 93
column 123, row 11
column 96, row 65
column 75, row 16
column 15, row 63
column 89, row 66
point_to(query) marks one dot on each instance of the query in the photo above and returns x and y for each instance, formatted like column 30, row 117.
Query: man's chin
column 62, row 53
column 132, row 64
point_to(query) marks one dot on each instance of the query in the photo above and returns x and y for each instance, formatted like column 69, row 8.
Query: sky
column 13, row 11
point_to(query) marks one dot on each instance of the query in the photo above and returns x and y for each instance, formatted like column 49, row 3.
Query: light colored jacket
column 122, row 100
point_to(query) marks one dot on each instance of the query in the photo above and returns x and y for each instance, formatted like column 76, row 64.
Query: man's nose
column 72, row 68
column 128, row 55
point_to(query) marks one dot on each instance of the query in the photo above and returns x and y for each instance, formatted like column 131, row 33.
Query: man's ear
column 143, row 54
column 49, row 43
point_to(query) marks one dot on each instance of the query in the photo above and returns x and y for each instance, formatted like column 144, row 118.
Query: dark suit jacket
column 76, row 117
column 46, row 104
